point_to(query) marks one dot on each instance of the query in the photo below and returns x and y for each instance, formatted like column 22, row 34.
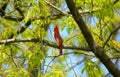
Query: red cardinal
column 58, row 38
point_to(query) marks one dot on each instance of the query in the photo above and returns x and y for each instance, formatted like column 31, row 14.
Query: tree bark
column 97, row 50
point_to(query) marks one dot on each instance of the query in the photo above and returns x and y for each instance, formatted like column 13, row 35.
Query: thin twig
column 73, row 68
column 114, row 31
column 79, row 62
column 77, row 33
column 50, row 63
column 63, row 12
column 117, row 50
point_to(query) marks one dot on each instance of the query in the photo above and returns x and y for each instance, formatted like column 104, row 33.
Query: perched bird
column 58, row 38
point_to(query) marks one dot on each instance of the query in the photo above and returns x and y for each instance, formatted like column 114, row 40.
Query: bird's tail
column 60, row 50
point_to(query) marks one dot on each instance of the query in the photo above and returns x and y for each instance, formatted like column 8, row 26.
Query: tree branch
column 2, row 9
column 45, row 42
column 81, row 24
column 115, row 1
column 14, row 19
column 18, row 9
column 97, row 50
column 23, row 28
